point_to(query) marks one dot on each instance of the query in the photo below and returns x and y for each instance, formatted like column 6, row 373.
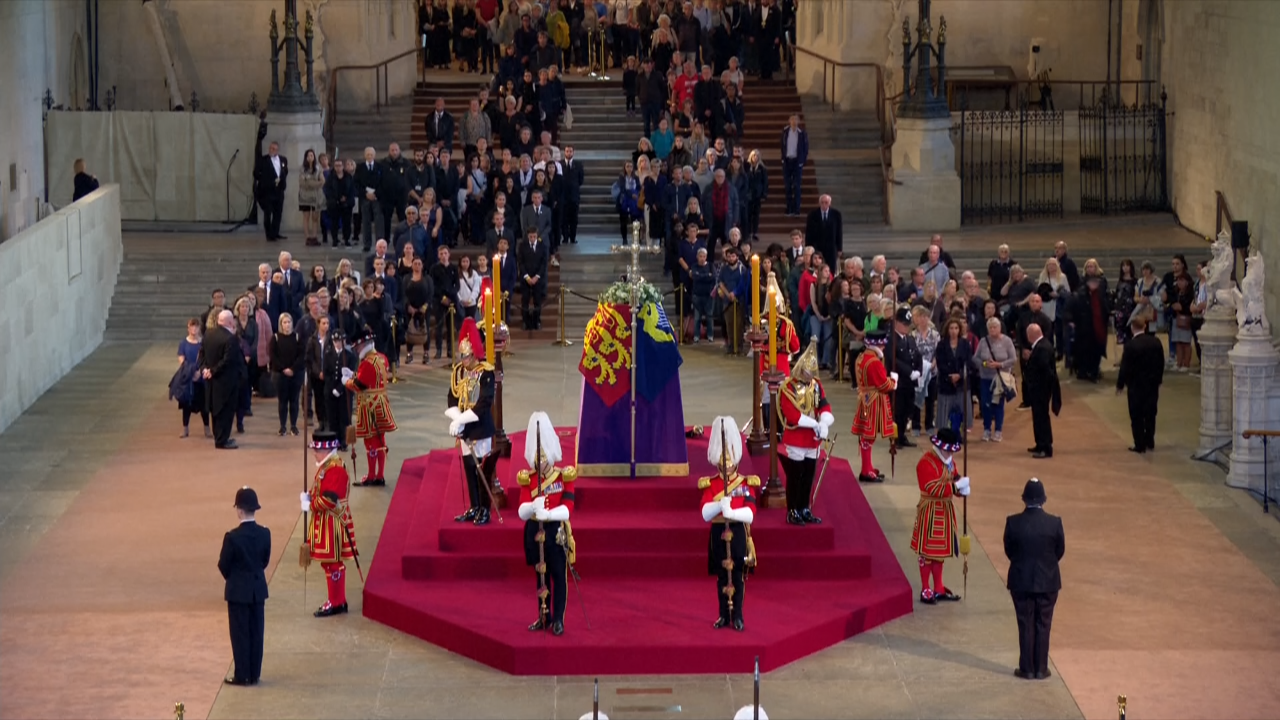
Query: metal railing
column 381, row 87
column 884, row 110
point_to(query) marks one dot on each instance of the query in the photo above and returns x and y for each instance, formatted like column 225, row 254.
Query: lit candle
column 773, row 329
column 496, row 268
column 490, row 326
column 755, row 292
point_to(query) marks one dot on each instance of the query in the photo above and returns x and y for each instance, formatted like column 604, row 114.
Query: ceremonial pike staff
column 964, row 435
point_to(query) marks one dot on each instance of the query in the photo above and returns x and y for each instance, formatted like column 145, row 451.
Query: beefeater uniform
column 874, row 417
column 933, row 538
column 330, row 533
column 471, row 394
column 546, row 501
column 373, row 418
column 806, row 420
column 730, row 550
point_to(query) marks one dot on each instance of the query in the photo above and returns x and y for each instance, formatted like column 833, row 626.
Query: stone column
column 1253, row 365
column 1216, row 339
column 924, row 163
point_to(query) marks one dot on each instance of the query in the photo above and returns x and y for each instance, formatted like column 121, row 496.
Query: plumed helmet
column 469, row 339
column 807, row 363
column 540, row 428
column 748, row 712
column 778, row 298
column 731, row 450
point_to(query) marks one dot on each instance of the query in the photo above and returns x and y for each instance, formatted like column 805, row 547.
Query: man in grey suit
column 1034, row 543
column 536, row 216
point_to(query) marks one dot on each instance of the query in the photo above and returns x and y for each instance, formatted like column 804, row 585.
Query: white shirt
column 793, row 142
column 275, row 163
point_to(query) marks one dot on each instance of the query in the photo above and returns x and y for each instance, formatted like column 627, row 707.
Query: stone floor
column 111, row 604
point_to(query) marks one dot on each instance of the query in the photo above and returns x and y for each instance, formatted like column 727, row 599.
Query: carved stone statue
column 1220, row 289
column 1251, row 314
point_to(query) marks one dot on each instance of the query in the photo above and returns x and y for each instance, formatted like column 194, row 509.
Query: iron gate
column 1010, row 165
column 1122, row 158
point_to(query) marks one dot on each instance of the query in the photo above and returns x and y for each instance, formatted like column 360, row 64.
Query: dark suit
column 539, row 219
column 1141, row 372
column 337, row 409
column 295, row 291
column 1034, row 543
column 246, row 552
column 369, row 177
column 492, row 236
column 228, row 372
column 315, row 354
column 574, row 177
column 906, row 359
column 507, row 270
column 440, row 130
column 276, row 302
column 1041, row 380
column 532, row 261
column 269, row 187
column 826, row 236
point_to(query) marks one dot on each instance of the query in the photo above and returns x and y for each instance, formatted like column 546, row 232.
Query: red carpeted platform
column 642, row 554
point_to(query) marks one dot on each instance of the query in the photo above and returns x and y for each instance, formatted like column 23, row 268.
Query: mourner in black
column 1034, row 543
column 337, row 398
column 906, row 369
column 1141, row 372
column 225, row 369
column 532, row 258
column 270, row 179
column 246, row 552
column 1043, row 391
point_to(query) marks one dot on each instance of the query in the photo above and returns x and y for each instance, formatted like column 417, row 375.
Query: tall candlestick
column 497, row 287
column 490, row 326
column 773, row 329
column 755, row 292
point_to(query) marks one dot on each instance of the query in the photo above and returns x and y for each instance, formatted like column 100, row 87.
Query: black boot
column 537, row 625
column 482, row 517
column 809, row 517
column 467, row 516
column 794, row 517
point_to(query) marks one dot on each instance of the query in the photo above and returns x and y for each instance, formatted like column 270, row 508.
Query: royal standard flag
column 657, row 355
column 606, row 352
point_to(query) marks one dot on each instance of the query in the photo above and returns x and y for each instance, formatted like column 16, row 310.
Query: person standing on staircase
column 574, row 177
column 795, row 153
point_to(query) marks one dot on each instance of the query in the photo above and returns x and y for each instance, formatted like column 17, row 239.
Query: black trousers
column 444, row 331
column 337, row 414
column 557, row 567
column 1041, row 424
column 531, row 306
column 222, row 420
column 569, row 219
column 318, row 405
column 476, row 491
column 246, row 621
column 904, row 405
column 800, row 474
column 287, row 389
column 388, row 209
column 272, row 207
column 717, row 551
column 1035, row 618
column 1142, row 416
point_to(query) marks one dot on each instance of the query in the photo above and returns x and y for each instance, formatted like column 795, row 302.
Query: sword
column 964, row 429
column 573, row 571
column 493, row 502
column 830, row 444
column 893, row 401
column 355, row 554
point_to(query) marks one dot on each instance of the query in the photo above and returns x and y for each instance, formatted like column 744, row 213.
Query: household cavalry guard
column 471, row 393
column 788, row 345
column 806, row 421
column 875, row 410
column 330, row 533
column 934, row 536
column 373, row 418
column 728, row 504
column 546, row 500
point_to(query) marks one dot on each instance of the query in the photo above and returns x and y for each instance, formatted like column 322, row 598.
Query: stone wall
column 1217, row 63
column 222, row 49
column 57, row 278
column 44, row 50
column 1072, row 35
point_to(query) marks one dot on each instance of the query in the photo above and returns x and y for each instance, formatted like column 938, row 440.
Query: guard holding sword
column 806, row 421
column 728, row 505
column 471, row 394
column 546, row 499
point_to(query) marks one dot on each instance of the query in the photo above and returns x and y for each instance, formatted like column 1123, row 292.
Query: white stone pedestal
column 924, row 162
column 296, row 133
column 1217, row 336
column 1253, row 364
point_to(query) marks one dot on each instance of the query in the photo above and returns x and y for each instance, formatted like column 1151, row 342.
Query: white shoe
column 986, row 436
column 997, row 437
column 555, row 262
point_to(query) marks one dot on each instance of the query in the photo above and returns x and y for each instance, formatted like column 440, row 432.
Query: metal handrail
column 884, row 112
column 380, row 87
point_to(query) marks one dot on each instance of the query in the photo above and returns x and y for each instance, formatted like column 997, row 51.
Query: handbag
column 416, row 332
column 1003, row 383
column 1183, row 322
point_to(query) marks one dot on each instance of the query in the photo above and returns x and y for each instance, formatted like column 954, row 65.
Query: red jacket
column 793, row 435
column 788, row 344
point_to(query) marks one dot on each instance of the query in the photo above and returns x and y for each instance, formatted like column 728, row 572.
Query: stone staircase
column 847, row 145
column 358, row 129
column 767, row 105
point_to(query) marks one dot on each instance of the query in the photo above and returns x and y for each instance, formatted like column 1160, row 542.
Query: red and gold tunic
column 557, row 488
column 373, row 409
column 875, row 413
column 788, row 345
column 934, row 535
column 329, row 544
column 795, row 399
column 742, row 491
